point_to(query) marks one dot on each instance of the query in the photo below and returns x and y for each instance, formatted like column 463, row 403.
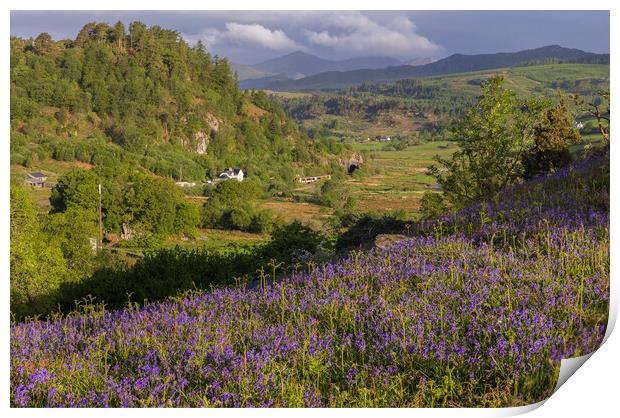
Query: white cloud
column 358, row 34
column 255, row 36
column 249, row 34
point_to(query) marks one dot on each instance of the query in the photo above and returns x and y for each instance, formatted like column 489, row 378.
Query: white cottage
column 231, row 174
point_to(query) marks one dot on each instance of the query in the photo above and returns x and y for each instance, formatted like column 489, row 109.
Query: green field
column 402, row 177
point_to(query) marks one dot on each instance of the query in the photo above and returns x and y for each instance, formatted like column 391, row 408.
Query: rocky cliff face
column 200, row 142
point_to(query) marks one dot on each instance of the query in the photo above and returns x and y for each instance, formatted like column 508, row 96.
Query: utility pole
column 100, row 223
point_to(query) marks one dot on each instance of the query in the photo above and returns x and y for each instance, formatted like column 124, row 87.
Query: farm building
column 37, row 179
column 231, row 173
column 311, row 179
column 185, row 184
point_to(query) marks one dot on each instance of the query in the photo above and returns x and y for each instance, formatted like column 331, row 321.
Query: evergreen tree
column 552, row 138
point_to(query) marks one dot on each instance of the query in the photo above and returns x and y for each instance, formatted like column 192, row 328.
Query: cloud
column 251, row 37
column 358, row 34
column 249, row 34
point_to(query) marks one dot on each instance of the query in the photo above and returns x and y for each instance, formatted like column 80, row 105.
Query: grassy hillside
column 407, row 106
column 475, row 310
column 454, row 64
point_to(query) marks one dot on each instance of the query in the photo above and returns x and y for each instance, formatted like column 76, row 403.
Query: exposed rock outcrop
column 201, row 142
column 384, row 241
column 352, row 163
column 201, row 139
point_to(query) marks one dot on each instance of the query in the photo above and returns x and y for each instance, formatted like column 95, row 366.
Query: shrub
column 238, row 218
column 336, row 194
column 262, row 222
column 187, row 219
column 432, row 205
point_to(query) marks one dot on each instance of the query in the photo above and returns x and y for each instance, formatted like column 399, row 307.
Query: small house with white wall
column 37, row 179
column 231, row 174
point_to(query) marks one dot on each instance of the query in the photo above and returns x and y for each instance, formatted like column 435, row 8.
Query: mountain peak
column 301, row 63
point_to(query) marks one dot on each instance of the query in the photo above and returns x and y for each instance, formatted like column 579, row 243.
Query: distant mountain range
column 306, row 64
column 457, row 63
column 300, row 64
column 247, row 72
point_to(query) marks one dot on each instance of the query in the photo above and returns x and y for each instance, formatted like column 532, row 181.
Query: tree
column 599, row 111
column 336, row 194
column 71, row 231
column 494, row 135
column 151, row 204
column 552, row 138
column 85, row 34
column 187, row 219
column 37, row 268
column 43, row 44
column 76, row 189
column 433, row 205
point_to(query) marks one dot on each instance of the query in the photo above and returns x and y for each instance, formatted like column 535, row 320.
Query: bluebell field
column 476, row 309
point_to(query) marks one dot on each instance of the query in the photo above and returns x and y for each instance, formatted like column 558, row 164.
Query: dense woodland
column 143, row 97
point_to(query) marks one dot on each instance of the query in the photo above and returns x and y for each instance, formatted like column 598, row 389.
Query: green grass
column 402, row 177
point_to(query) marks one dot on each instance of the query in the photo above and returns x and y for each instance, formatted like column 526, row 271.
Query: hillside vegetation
column 144, row 98
column 415, row 106
column 474, row 309
column 454, row 64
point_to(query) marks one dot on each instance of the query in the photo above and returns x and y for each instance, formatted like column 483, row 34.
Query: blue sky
column 252, row 36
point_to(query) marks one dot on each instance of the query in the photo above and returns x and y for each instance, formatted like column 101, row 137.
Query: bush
column 262, row 222
column 296, row 242
column 211, row 215
column 433, row 205
column 238, row 218
column 147, row 241
column 187, row 219
column 336, row 194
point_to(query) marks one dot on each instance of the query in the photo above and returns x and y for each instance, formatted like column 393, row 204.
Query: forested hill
column 144, row 97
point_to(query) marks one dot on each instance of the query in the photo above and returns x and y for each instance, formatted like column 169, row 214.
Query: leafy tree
column 71, row 231
column 494, row 135
column 151, row 204
column 85, row 34
column 262, row 222
column 118, row 36
column 37, row 268
column 232, row 193
column 43, row 44
column 238, row 218
column 187, row 219
column 336, row 194
column 77, row 189
column 599, row 108
column 552, row 138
